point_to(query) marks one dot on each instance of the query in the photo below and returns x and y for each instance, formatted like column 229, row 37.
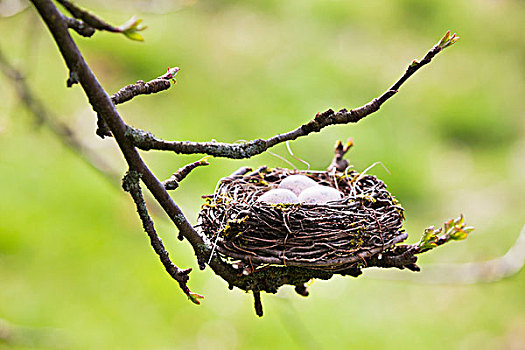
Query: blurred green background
column 76, row 270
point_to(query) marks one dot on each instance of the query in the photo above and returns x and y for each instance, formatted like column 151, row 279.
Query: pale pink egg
column 278, row 196
column 319, row 195
column 297, row 183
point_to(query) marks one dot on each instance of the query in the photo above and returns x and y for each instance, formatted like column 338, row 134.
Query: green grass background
column 76, row 270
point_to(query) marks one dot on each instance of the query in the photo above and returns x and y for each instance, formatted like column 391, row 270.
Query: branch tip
column 452, row 230
column 302, row 290
column 131, row 28
column 194, row 297
column 257, row 303
column 141, row 88
column 170, row 74
column 321, row 120
column 173, row 182
column 338, row 162
column 447, row 40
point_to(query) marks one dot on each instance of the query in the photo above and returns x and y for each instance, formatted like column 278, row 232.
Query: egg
column 319, row 195
column 297, row 183
column 278, row 196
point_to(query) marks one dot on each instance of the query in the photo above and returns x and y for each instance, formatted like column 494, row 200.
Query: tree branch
column 338, row 162
column 130, row 29
column 401, row 257
column 102, row 104
column 131, row 184
column 173, row 182
column 80, row 27
column 140, row 88
column 257, row 303
column 127, row 138
column 87, row 17
column 489, row 271
column 147, row 141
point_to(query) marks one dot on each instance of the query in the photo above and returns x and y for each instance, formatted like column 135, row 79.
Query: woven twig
column 333, row 236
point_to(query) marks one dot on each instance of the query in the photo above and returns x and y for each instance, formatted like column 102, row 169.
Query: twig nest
column 279, row 196
column 351, row 217
column 319, row 195
column 297, row 183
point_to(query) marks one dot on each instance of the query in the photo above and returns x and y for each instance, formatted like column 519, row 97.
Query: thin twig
column 489, row 271
column 127, row 138
column 80, row 27
column 338, row 162
column 131, row 184
column 257, row 303
column 102, row 104
column 130, row 29
column 147, row 141
column 140, row 88
column 173, row 182
column 87, row 17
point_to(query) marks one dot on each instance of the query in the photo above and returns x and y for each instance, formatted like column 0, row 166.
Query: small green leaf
column 468, row 229
column 447, row 225
column 132, row 23
column 452, row 230
column 460, row 220
column 428, row 241
column 131, row 29
column 459, row 235
column 194, row 298
column 447, row 40
column 134, row 36
column 204, row 160
column 444, row 39
column 453, row 40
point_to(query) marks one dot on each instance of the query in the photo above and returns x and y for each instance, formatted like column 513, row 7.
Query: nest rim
column 335, row 263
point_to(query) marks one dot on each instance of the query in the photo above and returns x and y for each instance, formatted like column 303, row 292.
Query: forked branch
column 131, row 184
column 173, row 182
column 140, row 88
column 102, row 104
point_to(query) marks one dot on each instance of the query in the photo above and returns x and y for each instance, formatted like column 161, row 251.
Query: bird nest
column 332, row 237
